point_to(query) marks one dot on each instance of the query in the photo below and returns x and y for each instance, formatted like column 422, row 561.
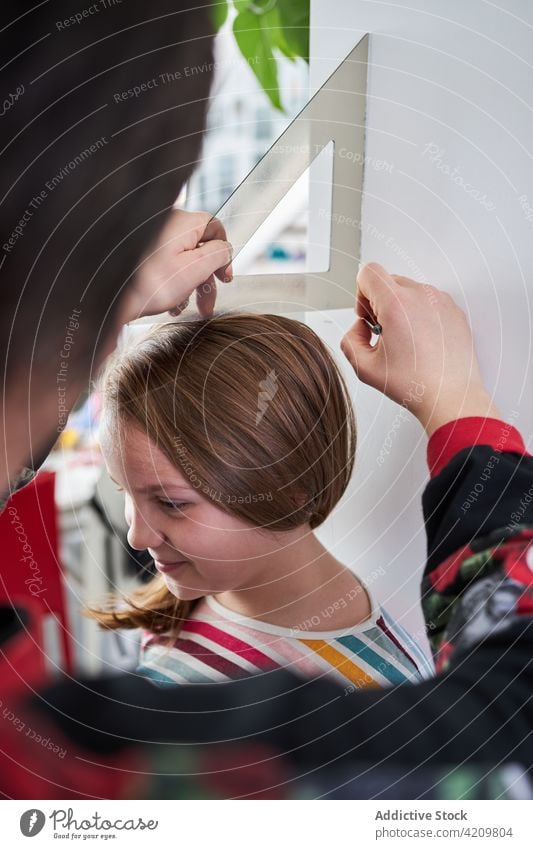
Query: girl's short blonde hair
column 252, row 410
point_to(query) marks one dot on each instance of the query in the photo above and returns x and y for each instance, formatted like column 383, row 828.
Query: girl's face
column 199, row 548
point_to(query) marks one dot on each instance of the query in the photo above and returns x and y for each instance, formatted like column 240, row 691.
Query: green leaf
column 255, row 45
column 271, row 22
column 219, row 13
column 294, row 18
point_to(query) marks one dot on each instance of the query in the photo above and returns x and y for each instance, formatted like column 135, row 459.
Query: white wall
column 450, row 113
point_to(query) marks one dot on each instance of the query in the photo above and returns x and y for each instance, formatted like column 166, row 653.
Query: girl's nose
column 142, row 533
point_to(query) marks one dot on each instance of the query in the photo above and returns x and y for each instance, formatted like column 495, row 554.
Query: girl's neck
column 301, row 584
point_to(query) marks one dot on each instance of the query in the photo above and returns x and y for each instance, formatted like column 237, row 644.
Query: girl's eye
column 173, row 505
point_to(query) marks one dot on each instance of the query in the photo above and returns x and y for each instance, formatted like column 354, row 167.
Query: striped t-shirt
column 216, row 644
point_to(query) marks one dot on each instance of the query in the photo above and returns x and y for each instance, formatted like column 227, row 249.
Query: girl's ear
column 306, row 501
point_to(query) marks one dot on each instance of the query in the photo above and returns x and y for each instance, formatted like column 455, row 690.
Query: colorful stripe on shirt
column 212, row 648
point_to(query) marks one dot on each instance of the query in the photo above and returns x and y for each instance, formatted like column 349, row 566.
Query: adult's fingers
column 206, row 296
column 406, row 282
column 363, row 307
column 197, row 265
column 215, row 230
column 375, row 289
column 375, row 286
column 178, row 309
column 356, row 347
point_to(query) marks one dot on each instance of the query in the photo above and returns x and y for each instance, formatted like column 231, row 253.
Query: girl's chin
column 183, row 593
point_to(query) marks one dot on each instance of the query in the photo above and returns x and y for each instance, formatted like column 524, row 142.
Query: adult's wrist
column 477, row 403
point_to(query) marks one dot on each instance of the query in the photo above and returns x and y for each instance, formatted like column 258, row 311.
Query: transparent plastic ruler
column 333, row 122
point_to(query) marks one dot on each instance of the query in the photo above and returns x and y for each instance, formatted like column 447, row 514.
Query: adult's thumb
column 356, row 347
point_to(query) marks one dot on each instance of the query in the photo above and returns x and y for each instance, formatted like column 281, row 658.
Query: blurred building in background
column 242, row 125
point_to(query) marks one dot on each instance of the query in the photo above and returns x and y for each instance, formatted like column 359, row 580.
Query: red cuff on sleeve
column 452, row 437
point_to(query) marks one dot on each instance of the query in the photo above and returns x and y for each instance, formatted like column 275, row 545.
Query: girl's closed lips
column 166, row 567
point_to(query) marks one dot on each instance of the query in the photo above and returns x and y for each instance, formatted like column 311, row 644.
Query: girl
column 233, row 438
